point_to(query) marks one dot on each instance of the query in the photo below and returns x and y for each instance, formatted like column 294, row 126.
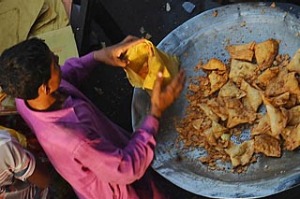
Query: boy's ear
column 45, row 88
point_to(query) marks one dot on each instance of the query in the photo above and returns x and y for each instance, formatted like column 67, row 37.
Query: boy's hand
column 162, row 98
column 113, row 55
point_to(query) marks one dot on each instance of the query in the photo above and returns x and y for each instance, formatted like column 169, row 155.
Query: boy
column 97, row 157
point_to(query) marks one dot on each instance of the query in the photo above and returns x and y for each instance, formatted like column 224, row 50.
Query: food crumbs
column 273, row 5
column 215, row 13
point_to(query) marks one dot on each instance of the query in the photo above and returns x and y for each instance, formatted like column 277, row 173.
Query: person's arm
column 75, row 70
column 120, row 165
column 125, row 165
column 40, row 176
column 23, row 164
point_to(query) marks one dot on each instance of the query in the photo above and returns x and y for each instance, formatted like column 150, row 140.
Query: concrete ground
column 152, row 19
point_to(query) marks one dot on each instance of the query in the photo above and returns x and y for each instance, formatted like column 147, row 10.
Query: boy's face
column 55, row 78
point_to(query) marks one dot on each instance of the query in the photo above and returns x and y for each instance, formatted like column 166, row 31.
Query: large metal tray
column 201, row 38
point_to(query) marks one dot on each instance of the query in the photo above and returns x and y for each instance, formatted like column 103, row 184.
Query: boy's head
column 24, row 68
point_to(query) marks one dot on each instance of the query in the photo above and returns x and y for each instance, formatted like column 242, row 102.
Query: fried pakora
column 258, row 89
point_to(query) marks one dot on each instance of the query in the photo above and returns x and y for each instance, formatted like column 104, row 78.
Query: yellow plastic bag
column 145, row 61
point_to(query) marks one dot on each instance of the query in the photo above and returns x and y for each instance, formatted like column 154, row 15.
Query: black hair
column 24, row 67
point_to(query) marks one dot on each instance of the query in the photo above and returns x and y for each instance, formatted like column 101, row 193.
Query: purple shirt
column 97, row 157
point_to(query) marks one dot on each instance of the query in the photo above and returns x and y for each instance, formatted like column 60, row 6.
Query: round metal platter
column 201, row 38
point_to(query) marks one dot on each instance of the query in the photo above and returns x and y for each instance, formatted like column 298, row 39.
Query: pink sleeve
column 75, row 69
column 117, row 165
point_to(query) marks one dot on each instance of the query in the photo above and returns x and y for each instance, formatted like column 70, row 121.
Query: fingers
column 181, row 80
column 114, row 55
column 175, row 86
column 127, row 45
column 121, row 62
column 130, row 38
column 178, row 82
column 158, row 83
column 156, row 107
column 162, row 97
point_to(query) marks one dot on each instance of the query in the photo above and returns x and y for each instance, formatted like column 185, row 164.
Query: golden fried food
column 284, row 82
column 230, row 90
column 294, row 64
column 217, row 105
column 260, row 94
column 240, row 70
column 265, row 77
column 237, row 114
column 278, row 118
column 293, row 101
column 292, row 84
column 197, row 123
column 265, row 52
column 214, row 64
column 241, row 154
column 241, row 51
column 291, row 136
column 209, row 113
column 203, row 86
column 267, row 145
column 294, row 116
column 280, row 100
column 275, row 86
column 262, row 126
column 217, row 80
column 253, row 99
column 214, row 132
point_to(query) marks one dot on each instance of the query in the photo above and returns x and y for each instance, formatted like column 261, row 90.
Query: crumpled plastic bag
column 145, row 61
